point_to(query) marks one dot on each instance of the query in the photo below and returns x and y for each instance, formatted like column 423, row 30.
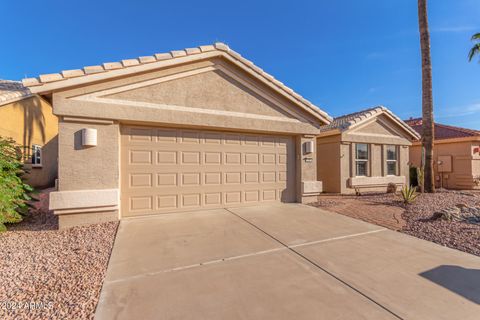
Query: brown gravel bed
column 61, row 269
column 417, row 217
column 458, row 235
column 380, row 209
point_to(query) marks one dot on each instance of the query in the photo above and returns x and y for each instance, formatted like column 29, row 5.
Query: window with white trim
column 392, row 160
column 36, row 155
column 361, row 159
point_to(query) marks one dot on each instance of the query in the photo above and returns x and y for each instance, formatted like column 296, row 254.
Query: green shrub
column 409, row 194
column 14, row 193
column 420, row 178
column 413, row 177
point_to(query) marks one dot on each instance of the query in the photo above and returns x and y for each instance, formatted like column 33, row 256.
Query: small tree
column 14, row 193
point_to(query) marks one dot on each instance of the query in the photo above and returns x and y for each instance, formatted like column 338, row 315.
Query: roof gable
column 349, row 122
column 70, row 78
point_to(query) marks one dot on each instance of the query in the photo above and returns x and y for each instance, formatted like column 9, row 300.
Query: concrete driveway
column 285, row 261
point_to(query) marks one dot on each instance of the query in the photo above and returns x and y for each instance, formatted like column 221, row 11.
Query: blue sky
column 341, row 55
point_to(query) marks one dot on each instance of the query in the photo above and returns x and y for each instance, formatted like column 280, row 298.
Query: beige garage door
column 171, row 170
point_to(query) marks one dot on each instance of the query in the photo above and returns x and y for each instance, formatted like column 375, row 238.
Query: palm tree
column 427, row 98
column 476, row 48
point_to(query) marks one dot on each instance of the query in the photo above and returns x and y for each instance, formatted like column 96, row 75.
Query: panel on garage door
column 169, row 170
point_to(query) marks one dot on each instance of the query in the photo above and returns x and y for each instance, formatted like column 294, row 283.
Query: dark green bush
column 413, row 176
column 14, row 193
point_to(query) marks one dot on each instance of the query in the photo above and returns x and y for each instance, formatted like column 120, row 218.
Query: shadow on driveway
column 463, row 281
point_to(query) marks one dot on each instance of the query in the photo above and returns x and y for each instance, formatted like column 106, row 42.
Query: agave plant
column 409, row 194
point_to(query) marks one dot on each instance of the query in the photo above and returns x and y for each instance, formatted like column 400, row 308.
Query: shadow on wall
column 463, row 281
column 45, row 176
column 33, row 118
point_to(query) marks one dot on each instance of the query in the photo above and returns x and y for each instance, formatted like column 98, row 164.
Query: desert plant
column 420, row 178
column 476, row 181
column 413, row 176
column 391, row 188
column 14, row 193
column 409, row 194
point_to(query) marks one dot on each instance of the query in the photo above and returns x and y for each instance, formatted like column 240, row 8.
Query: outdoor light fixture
column 309, row 147
column 89, row 137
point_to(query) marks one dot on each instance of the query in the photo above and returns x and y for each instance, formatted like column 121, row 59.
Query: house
column 29, row 120
column 364, row 150
column 199, row 128
column 190, row 129
column 456, row 155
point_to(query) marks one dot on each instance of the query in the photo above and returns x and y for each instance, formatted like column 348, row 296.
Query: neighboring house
column 456, row 155
column 364, row 150
column 191, row 129
column 28, row 119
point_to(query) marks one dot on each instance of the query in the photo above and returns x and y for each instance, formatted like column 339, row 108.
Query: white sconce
column 308, row 147
column 89, row 137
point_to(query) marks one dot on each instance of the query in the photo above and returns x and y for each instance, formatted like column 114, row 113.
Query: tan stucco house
column 204, row 128
column 195, row 128
column 29, row 120
column 366, row 150
column 456, row 155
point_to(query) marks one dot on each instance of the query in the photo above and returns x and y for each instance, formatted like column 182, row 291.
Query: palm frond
column 474, row 51
column 476, row 36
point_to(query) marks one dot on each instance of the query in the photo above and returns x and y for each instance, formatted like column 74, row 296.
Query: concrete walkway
column 286, row 261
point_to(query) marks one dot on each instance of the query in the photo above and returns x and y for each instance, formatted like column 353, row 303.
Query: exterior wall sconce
column 308, row 147
column 89, row 137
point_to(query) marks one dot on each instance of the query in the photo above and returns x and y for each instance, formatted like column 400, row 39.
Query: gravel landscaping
column 49, row 273
column 423, row 218
column 460, row 235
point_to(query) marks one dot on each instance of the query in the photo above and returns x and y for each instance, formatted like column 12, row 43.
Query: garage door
column 172, row 170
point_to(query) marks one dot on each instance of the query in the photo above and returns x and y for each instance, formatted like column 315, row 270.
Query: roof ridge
column 127, row 63
column 358, row 112
column 448, row 126
column 11, row 90
column 466, row 130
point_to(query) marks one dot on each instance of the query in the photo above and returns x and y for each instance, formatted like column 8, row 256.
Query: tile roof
column 11, row 91
column 345, row 122
column 112, row 67
column 443, row 131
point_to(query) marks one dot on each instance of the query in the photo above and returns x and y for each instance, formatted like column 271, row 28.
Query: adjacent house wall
column 465, row 163
column 31, row 121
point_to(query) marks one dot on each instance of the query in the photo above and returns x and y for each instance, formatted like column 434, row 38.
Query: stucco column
column 308, row 188
column 384, row 161
column 352, row 161
column 88, row 179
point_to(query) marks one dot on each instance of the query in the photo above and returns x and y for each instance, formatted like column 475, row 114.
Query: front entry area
column 166, row 170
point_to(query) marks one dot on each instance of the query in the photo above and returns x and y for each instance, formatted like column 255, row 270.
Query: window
column 391, row 160
column 36, row 155
column 361, row 159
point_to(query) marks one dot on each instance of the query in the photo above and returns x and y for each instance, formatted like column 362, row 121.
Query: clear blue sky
column 341, row 55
